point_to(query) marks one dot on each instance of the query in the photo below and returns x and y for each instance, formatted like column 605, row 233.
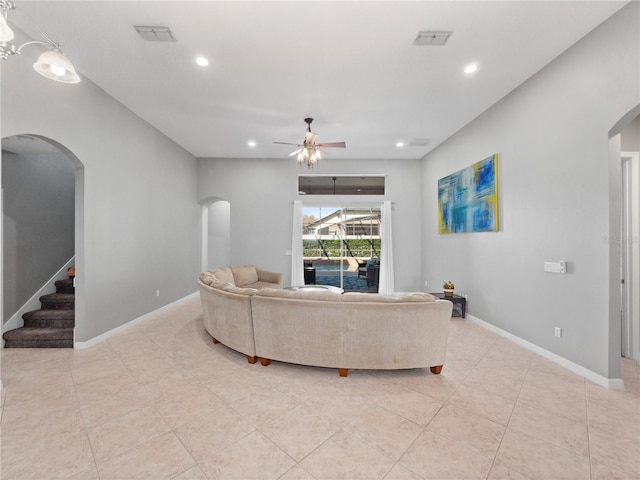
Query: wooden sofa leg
column 214, row 340
column 436, row 370
column 265, row 362
column 343, row 372
column 251, row 359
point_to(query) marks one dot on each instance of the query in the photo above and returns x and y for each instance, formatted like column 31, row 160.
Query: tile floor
column 160, row 401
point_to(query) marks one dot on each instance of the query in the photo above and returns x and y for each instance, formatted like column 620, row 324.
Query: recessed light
column 203, row 62
column 472, row 67
column 400, row 144
column 251, row 143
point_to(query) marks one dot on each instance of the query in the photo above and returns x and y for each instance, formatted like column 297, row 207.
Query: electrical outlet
column 426, row 284
column 157, row 293
column 558, row 332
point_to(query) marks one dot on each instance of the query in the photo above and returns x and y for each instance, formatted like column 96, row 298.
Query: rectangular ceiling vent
column 426, row 37
column 419, row 142
column 155, row 34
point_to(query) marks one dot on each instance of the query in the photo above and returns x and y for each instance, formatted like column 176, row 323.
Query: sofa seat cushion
column 244, row 275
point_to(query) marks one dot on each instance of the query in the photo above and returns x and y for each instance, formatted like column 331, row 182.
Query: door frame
column 341, row 206
column 630, row 255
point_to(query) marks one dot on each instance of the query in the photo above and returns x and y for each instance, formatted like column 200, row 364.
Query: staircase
column 49, row 327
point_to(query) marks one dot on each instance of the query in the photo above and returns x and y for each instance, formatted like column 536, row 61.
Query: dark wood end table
column 459, row 303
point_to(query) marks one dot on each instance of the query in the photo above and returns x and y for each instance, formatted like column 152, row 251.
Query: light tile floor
column 160, row 401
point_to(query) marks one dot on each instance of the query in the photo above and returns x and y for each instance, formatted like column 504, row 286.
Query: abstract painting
column 468, row 199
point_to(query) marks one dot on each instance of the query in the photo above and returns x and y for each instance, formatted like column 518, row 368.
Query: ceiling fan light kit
column 310, row 152
column 51, row 64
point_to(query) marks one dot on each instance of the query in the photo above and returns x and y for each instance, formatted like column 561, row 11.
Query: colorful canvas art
column 468, row 199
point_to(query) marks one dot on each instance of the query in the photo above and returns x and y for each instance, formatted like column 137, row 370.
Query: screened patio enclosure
column 341, row 247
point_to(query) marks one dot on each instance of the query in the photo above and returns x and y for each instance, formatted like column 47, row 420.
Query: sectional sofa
column 326, row 329
column 226, row 304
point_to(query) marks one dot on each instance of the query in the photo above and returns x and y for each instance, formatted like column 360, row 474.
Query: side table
column 459, row 303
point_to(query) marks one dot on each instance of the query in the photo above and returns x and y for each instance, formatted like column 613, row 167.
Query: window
column 341, row 185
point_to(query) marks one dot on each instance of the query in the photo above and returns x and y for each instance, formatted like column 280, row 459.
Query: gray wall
column 261, row 194
column 137, row 218
column 219, row 243
column 551, row 137
column 38, row 218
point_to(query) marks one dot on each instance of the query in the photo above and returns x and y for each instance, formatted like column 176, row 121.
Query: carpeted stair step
column 58, row 301
column 52, row 325
column 50, row 318
column 65, row 286
column 37, row 337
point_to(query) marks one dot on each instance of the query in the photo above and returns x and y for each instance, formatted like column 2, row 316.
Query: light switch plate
column 556, row 267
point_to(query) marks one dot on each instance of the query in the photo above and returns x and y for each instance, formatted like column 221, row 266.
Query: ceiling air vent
column 155, row 34
column 426, row 37
column 419, row 142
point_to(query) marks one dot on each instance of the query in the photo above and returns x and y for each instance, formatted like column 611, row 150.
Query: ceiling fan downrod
column 308, row 121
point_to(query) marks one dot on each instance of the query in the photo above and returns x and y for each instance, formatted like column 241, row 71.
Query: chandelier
column 51, row 64
column 309, row 155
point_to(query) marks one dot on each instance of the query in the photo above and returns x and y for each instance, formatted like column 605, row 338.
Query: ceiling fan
column 309, row 152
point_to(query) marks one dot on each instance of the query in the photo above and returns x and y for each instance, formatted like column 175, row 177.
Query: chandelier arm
column 19, row 49
column 9, row 5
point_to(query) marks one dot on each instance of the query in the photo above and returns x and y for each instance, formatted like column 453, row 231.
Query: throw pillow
column 207, row 278
column 223, row 275
column 244, row 275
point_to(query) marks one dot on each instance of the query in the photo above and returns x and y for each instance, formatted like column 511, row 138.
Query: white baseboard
column 33, row 303
column 610, row 383
column 135, row 321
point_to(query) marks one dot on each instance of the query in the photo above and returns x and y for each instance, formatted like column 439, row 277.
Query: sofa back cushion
column 300, row 294
column 208, row 278
column 222, row 275
column 244, row 275
column 357, row 297
column 239, row 290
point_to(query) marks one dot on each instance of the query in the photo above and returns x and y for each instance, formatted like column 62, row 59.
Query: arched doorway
column 42, row 205
column 215, row 240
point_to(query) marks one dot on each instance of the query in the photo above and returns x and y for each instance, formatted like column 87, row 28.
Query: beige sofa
column 351, row 330
column 323, row 328
column 226, row 304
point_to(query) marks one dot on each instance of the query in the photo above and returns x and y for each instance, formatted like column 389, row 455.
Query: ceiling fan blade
column 294, row 153
column 332, row 145
column 287, row 143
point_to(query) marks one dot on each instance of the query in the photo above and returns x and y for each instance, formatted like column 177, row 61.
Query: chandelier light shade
column 54, row 65
column 309, row 156
column 6, row 34
column 51, row 64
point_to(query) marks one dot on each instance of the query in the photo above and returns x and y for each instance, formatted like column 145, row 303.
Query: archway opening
column 623, row 137
column 215, row 233
column 42, row 224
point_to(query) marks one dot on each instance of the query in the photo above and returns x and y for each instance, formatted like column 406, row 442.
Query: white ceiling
column 350, row 65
